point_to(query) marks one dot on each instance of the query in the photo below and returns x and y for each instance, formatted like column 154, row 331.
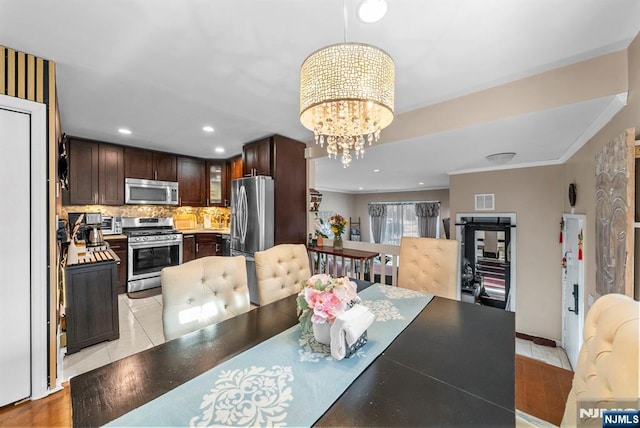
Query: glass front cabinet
column 216, row 195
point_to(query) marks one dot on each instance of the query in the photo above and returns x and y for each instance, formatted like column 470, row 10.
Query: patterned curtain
column 427, row 213
column 378, row 215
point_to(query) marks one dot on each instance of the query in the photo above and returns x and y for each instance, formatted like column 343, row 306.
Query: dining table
column 453, row 365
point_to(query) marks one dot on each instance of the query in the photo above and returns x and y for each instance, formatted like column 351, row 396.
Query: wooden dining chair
column 430, row 265
column 202, row 292
column 280, row 271
column 608, row 362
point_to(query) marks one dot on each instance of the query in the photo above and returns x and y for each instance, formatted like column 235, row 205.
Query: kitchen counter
column 120, row 236
column 97, row 257
column 218, row 231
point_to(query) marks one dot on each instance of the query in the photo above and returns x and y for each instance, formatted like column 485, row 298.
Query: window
column 401, row 220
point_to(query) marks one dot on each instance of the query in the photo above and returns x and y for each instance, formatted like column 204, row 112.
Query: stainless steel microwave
column 150, row 192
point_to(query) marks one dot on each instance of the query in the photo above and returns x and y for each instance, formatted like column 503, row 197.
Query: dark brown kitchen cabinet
column 188, row 248
column 216, row 186
column 149, row 165
column 96, row 173
column 208, row 244
column 256, row 157
column 283, row 159
column 119, row 246
column 192, row 187
column 233, row 171
column 91, row 304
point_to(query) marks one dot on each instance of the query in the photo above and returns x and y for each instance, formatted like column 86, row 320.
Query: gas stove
column 153, row 244
column 158, row 228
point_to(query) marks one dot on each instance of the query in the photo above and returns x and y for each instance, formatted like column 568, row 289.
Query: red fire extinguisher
column 561, row 228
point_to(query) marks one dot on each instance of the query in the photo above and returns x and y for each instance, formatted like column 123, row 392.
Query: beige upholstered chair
column 607, row 368
column 280, row 271
column 203, row 292
column 429, row 265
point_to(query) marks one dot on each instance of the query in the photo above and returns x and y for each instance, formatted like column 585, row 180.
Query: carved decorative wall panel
column 615, row 171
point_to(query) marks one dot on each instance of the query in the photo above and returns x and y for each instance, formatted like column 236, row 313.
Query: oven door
column 147, row 259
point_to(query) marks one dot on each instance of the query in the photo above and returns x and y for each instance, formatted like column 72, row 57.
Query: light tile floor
column 141, row 328
column 554, row 356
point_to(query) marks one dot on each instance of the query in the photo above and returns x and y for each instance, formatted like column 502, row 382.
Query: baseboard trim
column 537, row 340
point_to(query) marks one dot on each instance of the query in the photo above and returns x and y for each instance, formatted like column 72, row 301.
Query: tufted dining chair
column 201, row 292
column 429, row 265
column 280, row 271
column 607, row 367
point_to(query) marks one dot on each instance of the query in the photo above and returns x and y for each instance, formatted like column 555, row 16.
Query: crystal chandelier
column 346, row 96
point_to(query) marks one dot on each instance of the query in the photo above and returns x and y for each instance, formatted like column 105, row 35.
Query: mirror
column 490, row 245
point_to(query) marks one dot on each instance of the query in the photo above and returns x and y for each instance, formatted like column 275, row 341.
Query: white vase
column 322, row 333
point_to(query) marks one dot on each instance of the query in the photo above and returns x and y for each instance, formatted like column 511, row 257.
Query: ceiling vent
column 485, row 201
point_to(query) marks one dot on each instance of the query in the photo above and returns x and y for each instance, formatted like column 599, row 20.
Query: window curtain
column 378, row 215
column 427, row 213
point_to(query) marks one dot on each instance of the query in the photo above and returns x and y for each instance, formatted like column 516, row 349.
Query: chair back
column 202, row 292
column 429, row 265
column 280, row 271
column 607, row 367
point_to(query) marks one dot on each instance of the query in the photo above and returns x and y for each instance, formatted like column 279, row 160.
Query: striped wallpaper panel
column 29, row 77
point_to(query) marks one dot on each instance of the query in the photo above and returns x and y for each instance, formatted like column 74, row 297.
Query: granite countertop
column 120, row 236
column 200, row 230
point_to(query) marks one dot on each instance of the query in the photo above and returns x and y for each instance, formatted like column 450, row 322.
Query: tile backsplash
column 220, row 217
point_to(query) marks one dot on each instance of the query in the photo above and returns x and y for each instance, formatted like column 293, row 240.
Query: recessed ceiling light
column 376, row 170
column 421, row 183
column 219, row 149
column 207, row 128
column 370, row 11
column 360, row 188
column 124, row 131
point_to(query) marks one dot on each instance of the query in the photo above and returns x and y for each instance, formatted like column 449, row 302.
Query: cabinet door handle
column 207, row 201
column 217, row 248
column 197, row 247
column 155, row 175
column 95, row 198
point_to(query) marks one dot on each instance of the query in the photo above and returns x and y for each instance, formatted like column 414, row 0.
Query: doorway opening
column 487, row 254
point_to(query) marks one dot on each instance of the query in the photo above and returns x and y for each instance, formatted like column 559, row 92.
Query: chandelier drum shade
column 347, row 96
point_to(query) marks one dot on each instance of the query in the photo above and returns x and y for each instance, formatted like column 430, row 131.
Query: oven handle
column 138, row 245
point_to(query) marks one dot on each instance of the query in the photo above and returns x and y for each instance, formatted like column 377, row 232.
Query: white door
column 572, row 286
column 15, row 257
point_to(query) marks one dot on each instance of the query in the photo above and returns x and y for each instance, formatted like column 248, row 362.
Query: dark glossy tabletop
column 453, row 366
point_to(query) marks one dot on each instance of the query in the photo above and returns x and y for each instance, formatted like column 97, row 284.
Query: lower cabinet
column 208, row 244
column 92, row 304
column 119, row 246
column 188, row 248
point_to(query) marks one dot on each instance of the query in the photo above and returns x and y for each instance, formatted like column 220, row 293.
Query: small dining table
column 453, row 365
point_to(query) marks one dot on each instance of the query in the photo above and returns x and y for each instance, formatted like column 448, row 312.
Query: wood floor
column 51, row 411
column 541, row 391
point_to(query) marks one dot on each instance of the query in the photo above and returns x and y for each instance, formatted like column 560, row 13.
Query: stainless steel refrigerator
column 251, row 222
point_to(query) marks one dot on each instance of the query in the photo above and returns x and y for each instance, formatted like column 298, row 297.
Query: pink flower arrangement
column 324, row 298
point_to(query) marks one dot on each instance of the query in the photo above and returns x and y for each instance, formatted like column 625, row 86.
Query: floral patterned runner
column 287, row 380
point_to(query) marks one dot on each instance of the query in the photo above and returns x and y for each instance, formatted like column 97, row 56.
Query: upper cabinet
column 256, row 157
column 233, row 171
column 216, row 184
column 149, row 165
column 96, row 173
column 192, row 188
